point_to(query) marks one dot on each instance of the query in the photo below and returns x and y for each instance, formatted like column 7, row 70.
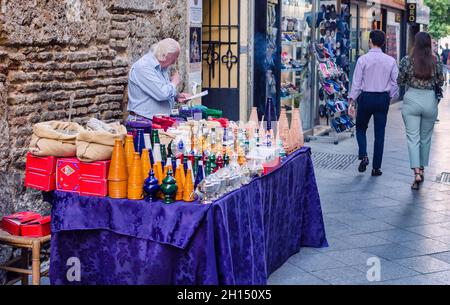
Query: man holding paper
column 151, row 90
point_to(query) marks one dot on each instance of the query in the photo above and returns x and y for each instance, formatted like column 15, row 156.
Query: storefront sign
column 417, row 12
column 411, row 12
column 398, row 18
column 399, row 4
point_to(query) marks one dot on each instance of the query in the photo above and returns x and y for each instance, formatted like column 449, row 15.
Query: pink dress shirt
column 375, row 72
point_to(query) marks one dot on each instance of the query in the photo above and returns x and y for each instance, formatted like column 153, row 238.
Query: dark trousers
column 376, row 104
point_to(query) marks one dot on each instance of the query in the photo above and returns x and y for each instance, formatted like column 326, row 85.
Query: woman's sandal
column 416, row 183
column 422, row 173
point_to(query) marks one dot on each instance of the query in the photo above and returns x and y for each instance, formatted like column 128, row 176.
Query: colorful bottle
column 155, row 138
column 118, row 173
column 135, row 180
column 219, row 162
column 200, row 174
column 163, row 154
column 188, row 190
column 139, row 141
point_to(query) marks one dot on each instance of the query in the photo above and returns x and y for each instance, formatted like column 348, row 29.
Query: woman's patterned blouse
column 406, row 75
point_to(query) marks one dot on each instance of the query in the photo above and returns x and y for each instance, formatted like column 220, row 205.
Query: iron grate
column 333, row 161
column 444, row 177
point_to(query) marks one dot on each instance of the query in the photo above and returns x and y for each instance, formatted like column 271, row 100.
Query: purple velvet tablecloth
column 239, row 239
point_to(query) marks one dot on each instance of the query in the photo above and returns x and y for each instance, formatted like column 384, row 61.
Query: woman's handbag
column 438, row 92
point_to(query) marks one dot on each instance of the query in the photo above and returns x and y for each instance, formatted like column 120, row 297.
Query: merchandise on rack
column 207, row 158
column 332, row 53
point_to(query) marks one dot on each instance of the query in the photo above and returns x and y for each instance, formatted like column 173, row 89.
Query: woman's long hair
column 423, row 56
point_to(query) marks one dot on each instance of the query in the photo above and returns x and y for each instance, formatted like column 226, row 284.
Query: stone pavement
column 381, row 217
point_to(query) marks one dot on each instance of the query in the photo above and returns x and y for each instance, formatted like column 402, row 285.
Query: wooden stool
column 25, row 243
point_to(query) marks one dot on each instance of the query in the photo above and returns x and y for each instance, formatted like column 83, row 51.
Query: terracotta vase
column 283, row 127
column 188, row 189
column 129, row 151
column 253, row 115
column 145, row 160
column 135, row 180
column 301, row 141
column 118, row 174
column 295, row 130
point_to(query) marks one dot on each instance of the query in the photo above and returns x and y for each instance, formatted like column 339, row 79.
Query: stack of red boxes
column 26, row 224
column 162, row 122
column 94, row 178
column 40, row 173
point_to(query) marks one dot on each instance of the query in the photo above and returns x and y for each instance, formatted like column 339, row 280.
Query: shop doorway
column 221, row 55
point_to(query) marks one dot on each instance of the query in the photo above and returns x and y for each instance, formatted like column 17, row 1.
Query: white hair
column 165, row 47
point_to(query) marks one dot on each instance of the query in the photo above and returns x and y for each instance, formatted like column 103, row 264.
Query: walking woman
column 422, row 71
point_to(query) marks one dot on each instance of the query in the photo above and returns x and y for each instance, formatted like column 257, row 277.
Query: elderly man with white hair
column 151, row 90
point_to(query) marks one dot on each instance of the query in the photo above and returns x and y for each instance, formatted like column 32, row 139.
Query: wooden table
column 34, row 244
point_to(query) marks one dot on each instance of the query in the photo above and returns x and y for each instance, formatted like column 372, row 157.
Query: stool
column 25, row 243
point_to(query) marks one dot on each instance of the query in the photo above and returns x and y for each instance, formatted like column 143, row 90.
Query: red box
column 94, row 170
column 94, row 187
column 45, row 165
column 40, row 181
column 37, row 227
column 68, row 175
column 13, row 223
column 271, row 165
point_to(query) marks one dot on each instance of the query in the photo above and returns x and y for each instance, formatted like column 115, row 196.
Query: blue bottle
column 200, row 174
column 139, row 142
column 151, row 186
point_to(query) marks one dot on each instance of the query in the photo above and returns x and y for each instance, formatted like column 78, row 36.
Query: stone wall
column 51, row 50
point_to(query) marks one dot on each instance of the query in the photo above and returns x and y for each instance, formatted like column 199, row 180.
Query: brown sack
column 97, row 145
column 54, row 138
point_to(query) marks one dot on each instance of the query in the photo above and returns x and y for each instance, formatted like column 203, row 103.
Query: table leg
column 36, row 263
column 24, row 254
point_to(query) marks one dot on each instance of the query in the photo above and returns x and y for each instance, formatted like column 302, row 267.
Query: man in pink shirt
column 374, row 84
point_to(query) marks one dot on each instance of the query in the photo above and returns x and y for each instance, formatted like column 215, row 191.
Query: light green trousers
column 420, row 110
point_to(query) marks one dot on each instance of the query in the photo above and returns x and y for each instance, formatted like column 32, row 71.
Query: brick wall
column 52, row 50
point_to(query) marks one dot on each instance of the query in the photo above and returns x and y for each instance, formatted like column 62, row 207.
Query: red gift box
column 93, row 187
column 45, row 165
column 271, row 165
column 68, row 175
column 39, row 181
column 13, row 223
column 94, row 170
column 37, row 227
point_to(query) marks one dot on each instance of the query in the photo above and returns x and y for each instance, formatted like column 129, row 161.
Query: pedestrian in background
column 422, row 72
column 374, row 84
column 445, row 60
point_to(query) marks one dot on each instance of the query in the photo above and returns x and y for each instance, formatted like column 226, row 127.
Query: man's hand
column 176, row 79
column 182, row 97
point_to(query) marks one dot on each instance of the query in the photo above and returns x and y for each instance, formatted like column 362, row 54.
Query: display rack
column 295, row 37
column 332, row 61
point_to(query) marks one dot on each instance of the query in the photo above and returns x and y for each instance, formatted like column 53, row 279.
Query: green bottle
column 212, row 161
column 163, row 152
column 155, row 137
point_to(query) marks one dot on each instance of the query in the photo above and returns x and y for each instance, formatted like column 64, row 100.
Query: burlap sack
column 54, row 138
column 98, row 145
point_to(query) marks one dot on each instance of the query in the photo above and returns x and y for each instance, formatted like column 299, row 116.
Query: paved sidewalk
column 365, row 217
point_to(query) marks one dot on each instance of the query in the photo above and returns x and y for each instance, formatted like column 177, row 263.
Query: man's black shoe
column 376, row 172
column 363, row 165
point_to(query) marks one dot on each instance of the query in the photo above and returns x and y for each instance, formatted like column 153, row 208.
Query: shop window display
column 295, row 58
column 332, row 53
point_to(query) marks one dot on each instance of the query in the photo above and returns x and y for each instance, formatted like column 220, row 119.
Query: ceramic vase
column 151, row 186
column 135, row 180
column 169, row 188
column 129, row 151
column 118, row 173
column 145, row 161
